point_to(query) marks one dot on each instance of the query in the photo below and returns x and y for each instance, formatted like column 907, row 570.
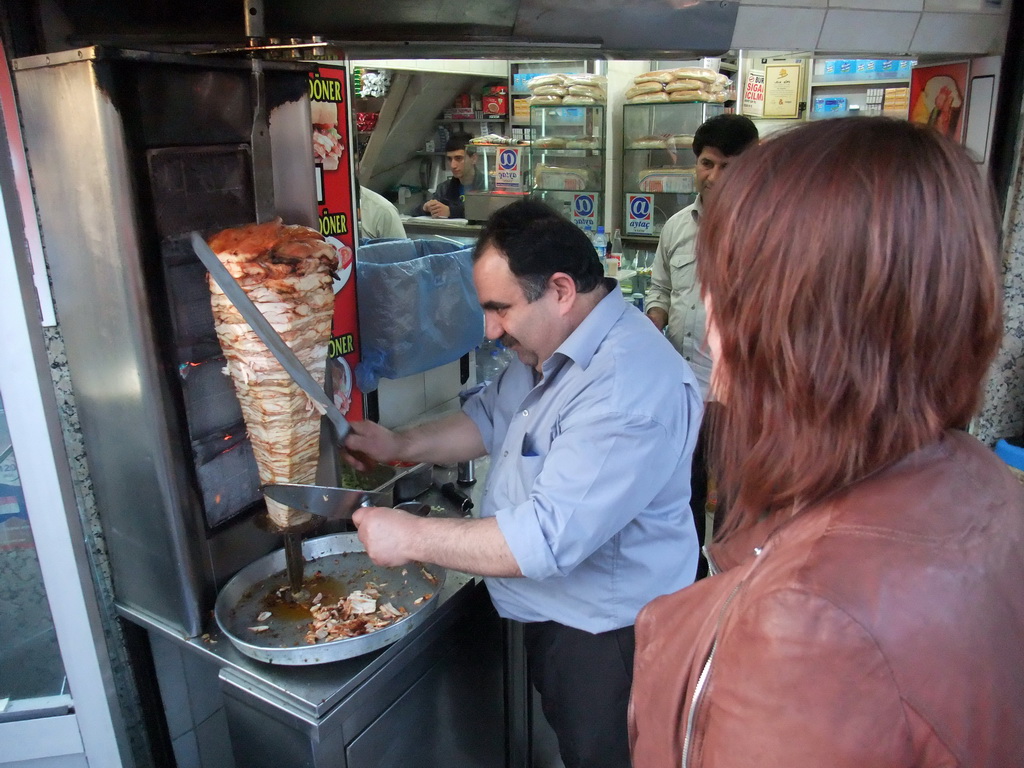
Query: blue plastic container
column 1011, row 454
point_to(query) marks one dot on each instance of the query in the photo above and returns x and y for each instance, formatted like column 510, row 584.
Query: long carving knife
column 268, row 335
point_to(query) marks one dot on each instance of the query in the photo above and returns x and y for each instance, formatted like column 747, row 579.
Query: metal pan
column 344, row 566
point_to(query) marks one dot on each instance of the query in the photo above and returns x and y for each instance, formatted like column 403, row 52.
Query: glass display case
column 658, row 166
column 500, row 179
column 566, row 160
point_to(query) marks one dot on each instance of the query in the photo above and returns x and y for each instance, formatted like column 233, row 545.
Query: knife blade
column 269, row 336
column 325, row 501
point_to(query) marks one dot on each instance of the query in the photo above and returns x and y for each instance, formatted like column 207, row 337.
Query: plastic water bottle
column 615, row 255
column 492, row 357
column 601, row 246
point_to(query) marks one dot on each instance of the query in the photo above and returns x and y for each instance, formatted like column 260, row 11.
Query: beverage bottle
column 615, row 255
column 601, row 246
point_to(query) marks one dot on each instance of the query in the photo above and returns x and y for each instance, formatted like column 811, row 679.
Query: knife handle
column 450, row 492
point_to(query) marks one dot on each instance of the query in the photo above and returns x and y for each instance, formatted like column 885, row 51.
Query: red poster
column 332, row 153
column 937, row 96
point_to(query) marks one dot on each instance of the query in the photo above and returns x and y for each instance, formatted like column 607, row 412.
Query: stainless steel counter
column 458, row 229
column 342, row 714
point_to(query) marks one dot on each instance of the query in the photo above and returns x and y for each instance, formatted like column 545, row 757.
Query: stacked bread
column 568, row 90
column 494, row 140
column 682, row 84
column 287, row 272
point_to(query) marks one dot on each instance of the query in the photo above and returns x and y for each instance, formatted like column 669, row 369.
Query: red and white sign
column 584, row 212
column 332, row 155
column 753, row 94
column 508, row 177
column 640, row 214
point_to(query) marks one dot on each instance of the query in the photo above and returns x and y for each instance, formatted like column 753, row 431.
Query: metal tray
column 404, row 483
column 341, row 560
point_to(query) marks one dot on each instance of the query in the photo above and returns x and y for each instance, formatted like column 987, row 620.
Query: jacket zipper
column 713, row 569
column 705, row 672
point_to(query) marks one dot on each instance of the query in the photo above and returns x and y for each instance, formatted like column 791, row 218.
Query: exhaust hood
column 444, row 28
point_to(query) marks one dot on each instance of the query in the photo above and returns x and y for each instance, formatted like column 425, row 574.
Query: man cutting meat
column 585, row 516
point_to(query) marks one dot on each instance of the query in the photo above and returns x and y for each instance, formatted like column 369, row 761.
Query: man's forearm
column 474, row 546
column 394, row 538
column 447, row 440
column 659, row 317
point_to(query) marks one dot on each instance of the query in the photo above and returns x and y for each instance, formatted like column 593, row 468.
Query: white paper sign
column 753, row 94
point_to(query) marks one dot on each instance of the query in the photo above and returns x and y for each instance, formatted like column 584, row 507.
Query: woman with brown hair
column 870, row 606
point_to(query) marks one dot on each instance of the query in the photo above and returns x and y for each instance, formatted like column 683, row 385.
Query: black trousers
column 583, row 681
column 699, row 484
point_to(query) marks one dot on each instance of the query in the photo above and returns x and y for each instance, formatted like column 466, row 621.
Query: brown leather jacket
column 883, row 628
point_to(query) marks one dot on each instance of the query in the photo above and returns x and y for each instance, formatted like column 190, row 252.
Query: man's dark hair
column 460, row 140
column 729, row 134
column 538, row 242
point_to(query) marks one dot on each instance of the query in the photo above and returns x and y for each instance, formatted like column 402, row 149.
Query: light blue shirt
column 590, row 473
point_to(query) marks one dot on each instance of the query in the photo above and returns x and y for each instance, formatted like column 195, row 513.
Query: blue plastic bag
column 418, row 308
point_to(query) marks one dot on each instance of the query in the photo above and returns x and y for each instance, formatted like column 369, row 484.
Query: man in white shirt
column 673, row 301
column 378, row 217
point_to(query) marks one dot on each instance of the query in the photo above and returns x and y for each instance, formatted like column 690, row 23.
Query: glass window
column 30, row 662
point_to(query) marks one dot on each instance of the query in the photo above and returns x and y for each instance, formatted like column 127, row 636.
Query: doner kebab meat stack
column 286, row 271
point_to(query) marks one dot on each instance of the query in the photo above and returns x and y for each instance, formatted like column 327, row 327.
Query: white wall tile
column 777, row 28
column 968, row 33
column 401, row 400
column 868, row 31
column 441, row 384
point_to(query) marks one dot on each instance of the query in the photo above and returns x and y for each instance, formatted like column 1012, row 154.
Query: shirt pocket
column 684, row 257
column 528, row 469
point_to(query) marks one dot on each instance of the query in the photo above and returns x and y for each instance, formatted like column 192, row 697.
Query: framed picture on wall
column 782, row 84
column 937, row 97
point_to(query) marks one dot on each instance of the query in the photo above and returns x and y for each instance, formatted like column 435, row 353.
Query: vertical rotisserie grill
column 161, row 146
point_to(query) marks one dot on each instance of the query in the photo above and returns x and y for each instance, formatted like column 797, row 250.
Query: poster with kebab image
column 332, row 156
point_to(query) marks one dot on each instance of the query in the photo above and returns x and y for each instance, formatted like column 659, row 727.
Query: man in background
column 378, row 216
column 449, row 201
column 673, row 301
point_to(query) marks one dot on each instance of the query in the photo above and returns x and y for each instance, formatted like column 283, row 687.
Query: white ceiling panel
column 967, row 6
column 869, row 31
column 976, row 33
column 779, row 28
column 788, row 3
column 878, row 5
